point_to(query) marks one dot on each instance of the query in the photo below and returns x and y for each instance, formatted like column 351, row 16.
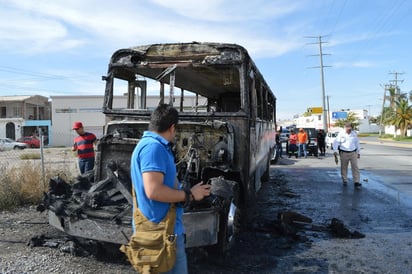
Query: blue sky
column 53, row 47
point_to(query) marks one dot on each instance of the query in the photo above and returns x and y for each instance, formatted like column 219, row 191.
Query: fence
column 50, row 160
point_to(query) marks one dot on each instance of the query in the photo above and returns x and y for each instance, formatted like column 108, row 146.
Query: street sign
column 315, row 110
column 339, row 115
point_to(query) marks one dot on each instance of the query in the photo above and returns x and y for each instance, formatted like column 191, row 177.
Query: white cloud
column 25, row 32
column 64, row 25
column 357, row 64
column 230, row 11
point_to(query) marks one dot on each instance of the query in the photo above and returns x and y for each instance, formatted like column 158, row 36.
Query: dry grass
column 24, row 185
column 30, row 156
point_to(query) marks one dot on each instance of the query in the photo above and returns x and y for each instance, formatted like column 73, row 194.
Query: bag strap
column 171, row 213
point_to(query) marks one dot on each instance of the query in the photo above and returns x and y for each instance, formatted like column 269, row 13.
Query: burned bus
column 225, row 137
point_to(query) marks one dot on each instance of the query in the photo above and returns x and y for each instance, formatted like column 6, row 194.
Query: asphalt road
column 382, row 210
column 390, row 166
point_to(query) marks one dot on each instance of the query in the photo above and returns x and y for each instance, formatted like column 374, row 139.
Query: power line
column 39, row 75
column 389, row 15
column 381, row 21
column 338, row 18
column 30, row 73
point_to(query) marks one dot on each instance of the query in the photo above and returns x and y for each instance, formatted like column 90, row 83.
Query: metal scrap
column 289, row 223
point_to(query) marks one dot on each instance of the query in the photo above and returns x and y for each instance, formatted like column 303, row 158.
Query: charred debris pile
column 109, row 198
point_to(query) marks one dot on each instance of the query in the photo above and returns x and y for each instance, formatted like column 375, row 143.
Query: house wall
column 17, row 123
column 391, row 130
column 316, row 121
column 22, row 114
column 68, row 109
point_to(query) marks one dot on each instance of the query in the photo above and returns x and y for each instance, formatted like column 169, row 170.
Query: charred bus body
column 225, row 137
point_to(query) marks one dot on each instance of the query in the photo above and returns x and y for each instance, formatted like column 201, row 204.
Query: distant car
column 8, row 144
column 284, row 135
column 284, row 140
column 31, row 141
column 330, row 138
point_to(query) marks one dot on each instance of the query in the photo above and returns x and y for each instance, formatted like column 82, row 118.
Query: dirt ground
column 386, row 248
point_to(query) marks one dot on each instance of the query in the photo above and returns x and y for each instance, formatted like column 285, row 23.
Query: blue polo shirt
column 153, row 153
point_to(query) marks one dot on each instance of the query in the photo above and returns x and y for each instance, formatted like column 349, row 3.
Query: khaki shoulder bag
column 152, row 247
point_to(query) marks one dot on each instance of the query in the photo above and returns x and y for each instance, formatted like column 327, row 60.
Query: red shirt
column 84, row 145
column 293, row 139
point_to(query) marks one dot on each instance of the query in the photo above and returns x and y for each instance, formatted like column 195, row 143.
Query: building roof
column 21, row 98
column 14, row 98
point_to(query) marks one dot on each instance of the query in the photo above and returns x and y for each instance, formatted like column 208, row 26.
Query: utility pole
column 369, row 110
column 397, row 93
column 327, row 98
column 397, row 90
column 385, row 88
column 321, row 77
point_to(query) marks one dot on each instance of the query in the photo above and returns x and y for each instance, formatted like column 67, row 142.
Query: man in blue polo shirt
column 153, row 173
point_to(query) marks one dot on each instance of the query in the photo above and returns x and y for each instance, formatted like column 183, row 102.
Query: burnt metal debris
column 78, row 247
column 290, row 223
column 108, row 199
column 338, row 228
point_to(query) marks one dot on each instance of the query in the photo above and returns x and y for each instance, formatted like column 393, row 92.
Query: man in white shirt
column 347, row 143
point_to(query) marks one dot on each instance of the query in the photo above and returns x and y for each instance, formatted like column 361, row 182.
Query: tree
column 398, row 112
column 400, row 116
column 350, row 119
column 387, row 116
column 395, row 95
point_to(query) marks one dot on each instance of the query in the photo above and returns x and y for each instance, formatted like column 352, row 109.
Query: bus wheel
column 227, row 220
column 274, row 155
column 226, row 232
column 266, row 175
column 226, row 226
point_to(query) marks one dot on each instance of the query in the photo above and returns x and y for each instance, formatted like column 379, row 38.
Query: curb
column 386, row 143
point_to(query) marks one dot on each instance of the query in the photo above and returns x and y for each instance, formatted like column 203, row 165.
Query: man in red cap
column 84, row 145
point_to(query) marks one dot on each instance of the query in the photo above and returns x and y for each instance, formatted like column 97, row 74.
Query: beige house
column 24, row 116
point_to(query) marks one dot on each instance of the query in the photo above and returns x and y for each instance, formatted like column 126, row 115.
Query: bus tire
column 228, row 215
column 274, row 156
column 226, row 227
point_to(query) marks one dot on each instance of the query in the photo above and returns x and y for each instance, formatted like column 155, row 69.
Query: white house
column 316, row 120
column 391, row 130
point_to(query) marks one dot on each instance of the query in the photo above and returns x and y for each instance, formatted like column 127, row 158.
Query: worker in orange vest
column 302, row 141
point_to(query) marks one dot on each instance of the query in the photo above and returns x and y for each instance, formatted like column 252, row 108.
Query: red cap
column 77, row 125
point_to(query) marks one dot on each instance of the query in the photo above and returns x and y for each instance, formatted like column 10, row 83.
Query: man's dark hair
column 163, row 117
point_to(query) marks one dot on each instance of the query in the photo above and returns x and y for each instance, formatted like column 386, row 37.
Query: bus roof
column 223, row 59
